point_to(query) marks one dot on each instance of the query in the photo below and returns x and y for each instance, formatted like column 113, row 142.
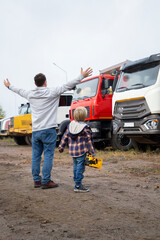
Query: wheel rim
column 123, row 140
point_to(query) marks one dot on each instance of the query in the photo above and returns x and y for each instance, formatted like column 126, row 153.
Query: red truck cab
column 95, row 94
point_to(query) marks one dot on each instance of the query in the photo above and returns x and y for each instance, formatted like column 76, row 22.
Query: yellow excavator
column 21, row 126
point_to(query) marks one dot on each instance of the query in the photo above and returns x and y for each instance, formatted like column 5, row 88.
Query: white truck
column 63, row 116
column 4, row 125
column 136, row 102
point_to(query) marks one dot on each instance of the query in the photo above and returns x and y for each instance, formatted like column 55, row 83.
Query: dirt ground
column 123, row 202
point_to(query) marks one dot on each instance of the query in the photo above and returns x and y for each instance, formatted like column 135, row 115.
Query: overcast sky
column 72, row 34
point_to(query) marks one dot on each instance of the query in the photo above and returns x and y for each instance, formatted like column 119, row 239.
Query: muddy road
column 123, row 202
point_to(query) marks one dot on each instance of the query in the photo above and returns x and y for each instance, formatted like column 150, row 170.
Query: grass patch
column 143, row 172
column 7, row 139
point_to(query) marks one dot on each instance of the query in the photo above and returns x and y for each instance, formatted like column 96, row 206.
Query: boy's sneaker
column 80, row 189
column 37, row 184
column 50, row 184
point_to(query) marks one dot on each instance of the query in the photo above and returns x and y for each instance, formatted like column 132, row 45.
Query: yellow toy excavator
column 93, row 161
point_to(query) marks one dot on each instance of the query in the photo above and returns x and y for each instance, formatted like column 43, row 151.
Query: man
column 44, row 106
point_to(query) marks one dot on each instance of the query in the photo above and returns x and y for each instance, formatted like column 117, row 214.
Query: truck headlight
column 115, row 127
column 151, row 124
column 95, row 129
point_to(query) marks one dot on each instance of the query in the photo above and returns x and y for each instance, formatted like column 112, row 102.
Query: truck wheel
column 28, row 140
column 57, row 143
column 59, row 140
column 121, row 142
column 20, row 140
column 59, row 137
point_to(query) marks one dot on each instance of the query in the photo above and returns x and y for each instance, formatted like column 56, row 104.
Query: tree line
column 2, row 112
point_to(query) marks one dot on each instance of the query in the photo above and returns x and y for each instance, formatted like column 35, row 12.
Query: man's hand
column 7, row 83
column 87, row 72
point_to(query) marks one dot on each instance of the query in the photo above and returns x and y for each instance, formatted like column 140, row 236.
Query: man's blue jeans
column 43, row 141
column 78, row 169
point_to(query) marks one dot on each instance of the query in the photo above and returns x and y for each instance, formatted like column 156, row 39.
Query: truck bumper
column 101, row 130
column 145, row 130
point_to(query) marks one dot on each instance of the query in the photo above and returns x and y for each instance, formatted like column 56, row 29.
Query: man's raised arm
column 87, row 72
column 21, row 92
column 71, row 84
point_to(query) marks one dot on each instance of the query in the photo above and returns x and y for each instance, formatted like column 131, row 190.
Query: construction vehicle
column 136, row 102
column 95, row 94
column 21, row 126
column 4, row 125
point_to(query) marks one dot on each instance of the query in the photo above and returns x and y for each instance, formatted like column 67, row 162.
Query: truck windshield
column 24, row 109
column 139, row 78
column 86, row 89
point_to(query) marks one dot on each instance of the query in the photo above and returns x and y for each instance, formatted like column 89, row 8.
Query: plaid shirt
column 79, row 143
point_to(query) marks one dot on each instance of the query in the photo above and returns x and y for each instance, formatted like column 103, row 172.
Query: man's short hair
column 40, row 79
column 80, row 114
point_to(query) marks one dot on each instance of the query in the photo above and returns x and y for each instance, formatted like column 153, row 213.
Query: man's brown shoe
column 37, row 184
column 50, row 184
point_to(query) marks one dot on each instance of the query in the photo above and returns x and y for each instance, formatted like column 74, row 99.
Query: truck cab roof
column 155, row 58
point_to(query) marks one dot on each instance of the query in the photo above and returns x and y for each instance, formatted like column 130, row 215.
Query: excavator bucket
column 93, row 161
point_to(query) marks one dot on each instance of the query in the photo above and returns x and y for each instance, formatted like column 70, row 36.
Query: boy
column 79, row 137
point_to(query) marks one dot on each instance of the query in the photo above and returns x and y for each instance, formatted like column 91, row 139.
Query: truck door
column 106, row 98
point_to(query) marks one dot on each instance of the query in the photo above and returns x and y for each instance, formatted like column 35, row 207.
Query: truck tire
column 20, row 140
column 61, row 130
column 58, row 141
column 28, row 140
column 59, row 137
column 121, row 142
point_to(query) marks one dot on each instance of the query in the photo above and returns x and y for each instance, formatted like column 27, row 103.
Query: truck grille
column 131, row 109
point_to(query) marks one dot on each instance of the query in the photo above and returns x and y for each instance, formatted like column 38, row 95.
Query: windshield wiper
column 86, row 97
column 122, row 88
column 139, row 85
